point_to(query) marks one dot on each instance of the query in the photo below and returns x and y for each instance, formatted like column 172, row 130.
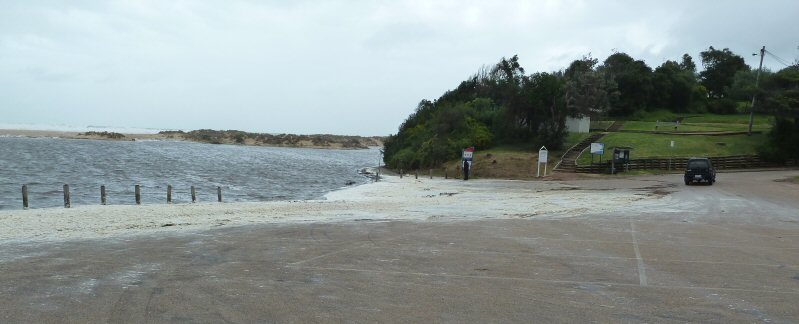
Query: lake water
column 245, row 173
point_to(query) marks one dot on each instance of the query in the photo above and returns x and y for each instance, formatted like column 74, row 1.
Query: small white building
column 578, row 125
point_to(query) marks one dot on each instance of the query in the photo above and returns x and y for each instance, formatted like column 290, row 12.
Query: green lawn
column 601, row 124
column 658, row 145
column 573, row 138
column 569, row 141
column 690, row 126
column 729, row 119
column 667, row 116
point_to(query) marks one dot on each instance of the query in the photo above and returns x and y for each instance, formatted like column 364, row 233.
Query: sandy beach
column 391, row 198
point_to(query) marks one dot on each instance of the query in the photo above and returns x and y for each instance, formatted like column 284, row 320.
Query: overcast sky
column 340, row 67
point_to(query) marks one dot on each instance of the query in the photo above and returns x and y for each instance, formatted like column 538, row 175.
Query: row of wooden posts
column 137, row 194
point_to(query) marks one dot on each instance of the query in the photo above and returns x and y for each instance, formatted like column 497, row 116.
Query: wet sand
column 391, row 198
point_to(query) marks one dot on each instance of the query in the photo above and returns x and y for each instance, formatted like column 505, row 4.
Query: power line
column 779, row 59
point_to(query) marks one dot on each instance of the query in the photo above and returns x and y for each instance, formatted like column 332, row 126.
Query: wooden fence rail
column 136, row 192
column 719, row 162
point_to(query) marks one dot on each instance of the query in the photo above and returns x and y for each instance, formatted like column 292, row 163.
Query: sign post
column 468, row 154
column 671, row 155
column 597, row 148
column 542, row 158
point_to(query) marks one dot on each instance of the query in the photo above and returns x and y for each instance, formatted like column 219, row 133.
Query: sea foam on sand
column 391, row 198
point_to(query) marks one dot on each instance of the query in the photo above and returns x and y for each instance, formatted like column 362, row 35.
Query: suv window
column 697, row 164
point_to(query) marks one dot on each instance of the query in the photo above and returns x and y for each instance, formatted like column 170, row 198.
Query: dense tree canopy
column 634, row 81
column 586, row 91
column 675, row 86
column 720, row 68
column 779, row 95
column 501, row 104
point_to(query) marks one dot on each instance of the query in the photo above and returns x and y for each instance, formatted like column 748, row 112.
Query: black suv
column 700, row 169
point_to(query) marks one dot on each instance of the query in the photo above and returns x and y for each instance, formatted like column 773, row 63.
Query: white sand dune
column 390, row 199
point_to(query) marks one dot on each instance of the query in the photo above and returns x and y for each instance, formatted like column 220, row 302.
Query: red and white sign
column 468, row 153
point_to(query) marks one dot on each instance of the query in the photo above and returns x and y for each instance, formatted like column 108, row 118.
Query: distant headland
column 209, row 136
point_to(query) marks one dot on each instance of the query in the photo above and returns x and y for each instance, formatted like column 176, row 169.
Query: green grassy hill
column 685, row 146
column 697, row 135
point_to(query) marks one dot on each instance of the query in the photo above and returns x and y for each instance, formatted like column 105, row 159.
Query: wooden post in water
column 219, row 194
column 102, row 195
column 138, row 194
column 400, row 173
column 416, row 175
column 431, row 174
column 193, row 195
column 168, row 194
column 446, row 176
column 25, row 196
column 67, row 203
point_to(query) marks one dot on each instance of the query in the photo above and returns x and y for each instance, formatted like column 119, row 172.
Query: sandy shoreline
column 319, row 141
column 74, row 135
column 390, row 199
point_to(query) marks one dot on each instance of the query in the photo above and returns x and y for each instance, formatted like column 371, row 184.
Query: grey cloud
column 328, row 66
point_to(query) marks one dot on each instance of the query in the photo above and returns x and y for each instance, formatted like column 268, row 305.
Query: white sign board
column 672, row 143
column 542, row 155
column 467, row 155
column 597, row 148
column 542, row 158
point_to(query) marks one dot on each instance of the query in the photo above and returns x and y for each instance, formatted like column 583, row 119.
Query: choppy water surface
column 245, row 173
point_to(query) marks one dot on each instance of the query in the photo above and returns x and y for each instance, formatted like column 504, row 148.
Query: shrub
column 723, row 106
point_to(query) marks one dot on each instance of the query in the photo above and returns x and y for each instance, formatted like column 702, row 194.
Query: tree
column 720, row 68
column 546, row 107
column 634, row 81
column 688, row 64
column 780, row 93
column 743, row 84
column 586, row 92
column 673, row 85
column 508, row 70
column 780, row 97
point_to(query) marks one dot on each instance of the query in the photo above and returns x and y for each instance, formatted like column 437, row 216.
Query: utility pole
column 754, row 96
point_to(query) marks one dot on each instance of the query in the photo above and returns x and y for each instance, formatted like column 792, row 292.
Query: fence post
column 102, row 195
column 193, row 195
column 168, row 194
column 431, row 174
column 219, row 194
column 446, row 176
column 138, row 194
column 25, row 196
column 416, row 175
column 400, row 173
column 67, row 203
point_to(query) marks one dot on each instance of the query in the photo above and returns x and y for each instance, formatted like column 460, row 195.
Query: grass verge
column 693, row 127
column 658, row 145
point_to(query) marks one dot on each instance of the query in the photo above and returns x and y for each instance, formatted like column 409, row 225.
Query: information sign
column 597, row 148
